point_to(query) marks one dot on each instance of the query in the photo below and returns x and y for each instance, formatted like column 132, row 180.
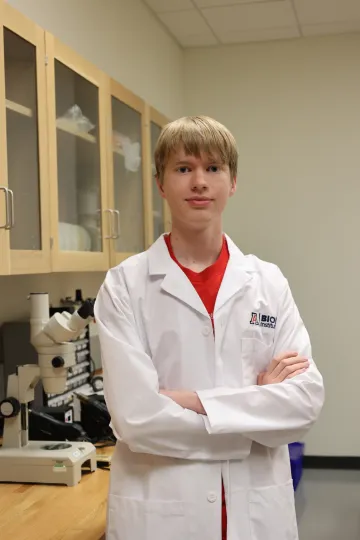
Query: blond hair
column 196, row 134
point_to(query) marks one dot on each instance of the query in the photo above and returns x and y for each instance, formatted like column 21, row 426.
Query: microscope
column 23, row 460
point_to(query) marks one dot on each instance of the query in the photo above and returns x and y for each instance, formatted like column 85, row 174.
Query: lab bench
column 43, row 512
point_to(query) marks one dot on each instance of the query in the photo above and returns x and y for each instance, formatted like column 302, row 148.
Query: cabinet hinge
column 51, row 242
column 46, row 60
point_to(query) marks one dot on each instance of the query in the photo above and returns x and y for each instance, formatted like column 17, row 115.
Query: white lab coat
column 169, row 462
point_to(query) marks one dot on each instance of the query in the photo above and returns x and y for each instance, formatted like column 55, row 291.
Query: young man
column 207, row 366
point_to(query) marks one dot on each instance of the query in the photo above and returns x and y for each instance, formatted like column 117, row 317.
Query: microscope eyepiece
column 86, row 310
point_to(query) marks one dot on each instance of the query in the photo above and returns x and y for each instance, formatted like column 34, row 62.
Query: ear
column 233, row 186
column 160, row 187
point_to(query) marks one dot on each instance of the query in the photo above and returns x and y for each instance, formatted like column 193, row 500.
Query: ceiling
column 201, row 23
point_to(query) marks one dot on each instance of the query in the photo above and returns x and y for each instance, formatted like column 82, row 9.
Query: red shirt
column 207, row 284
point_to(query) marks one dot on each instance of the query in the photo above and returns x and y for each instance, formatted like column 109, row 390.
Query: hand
column 285, row 366
column 186, row 400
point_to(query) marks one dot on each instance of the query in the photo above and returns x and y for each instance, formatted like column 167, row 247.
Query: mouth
column 199, row 201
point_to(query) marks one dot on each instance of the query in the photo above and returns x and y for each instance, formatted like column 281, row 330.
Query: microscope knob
column 97, row 383
column 9, row 407
column 58, row 361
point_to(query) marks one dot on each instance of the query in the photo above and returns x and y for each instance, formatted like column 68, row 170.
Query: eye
column 214, row 168
column 183, row 169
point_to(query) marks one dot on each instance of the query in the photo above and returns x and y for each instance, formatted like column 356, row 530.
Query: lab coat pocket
column 256, row 356
column 134, row 519
column 272, row 513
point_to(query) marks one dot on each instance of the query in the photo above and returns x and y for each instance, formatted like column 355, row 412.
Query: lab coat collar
column 237, row 276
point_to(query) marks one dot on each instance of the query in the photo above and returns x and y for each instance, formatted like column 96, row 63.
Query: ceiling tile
column 187, row 26
column 222, row 3
column 248, row 17
column 265, row 34
column 163, row 6
column 198, row 40
column 327, row 11
column 330, row 28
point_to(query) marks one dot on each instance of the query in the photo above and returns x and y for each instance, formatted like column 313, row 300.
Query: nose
column 198, row 179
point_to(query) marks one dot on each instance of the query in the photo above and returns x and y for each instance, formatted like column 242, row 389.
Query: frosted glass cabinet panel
column 160, row 210
column 157, row 200
column 24, row 152
column 128, row 192
column 128, row 178
column 77, row 160
column 22, row 141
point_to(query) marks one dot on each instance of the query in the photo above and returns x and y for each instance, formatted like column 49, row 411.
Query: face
column 196, row 188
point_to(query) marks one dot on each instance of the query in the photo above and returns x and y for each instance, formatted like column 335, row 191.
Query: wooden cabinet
column 160, row 210
column 129, row 175
column 77, row 190
column 76, row 103
column 24, row 179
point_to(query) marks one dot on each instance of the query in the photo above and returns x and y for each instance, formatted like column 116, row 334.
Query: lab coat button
column 212, row 497
column 206, row 330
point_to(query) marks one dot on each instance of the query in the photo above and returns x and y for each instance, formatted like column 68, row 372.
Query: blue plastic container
column 296, row 451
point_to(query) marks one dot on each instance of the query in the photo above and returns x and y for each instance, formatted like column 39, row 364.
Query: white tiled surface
column 215, row 22
column 160, row 6
column 248, row 19
column 219, row 3
column 189, row 27
column 327, row 11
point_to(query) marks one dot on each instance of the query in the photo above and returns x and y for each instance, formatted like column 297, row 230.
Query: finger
column 281, row 357
column 298, row 372
column 286, row 362
column 289, row 370
column 285, row 354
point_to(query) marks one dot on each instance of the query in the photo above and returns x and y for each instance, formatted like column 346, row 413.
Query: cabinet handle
column 118, row 226
column 12, row 211
column 111, row 230
column 7, row 224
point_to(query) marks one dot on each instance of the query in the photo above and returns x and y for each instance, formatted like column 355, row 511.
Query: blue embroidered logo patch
column 266, row 321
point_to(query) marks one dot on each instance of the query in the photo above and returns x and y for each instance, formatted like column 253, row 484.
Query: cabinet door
column 23, row 132
column 129, row 188
column 76, row 124
column 4, row 201
column 160, row 209
column 158, row 205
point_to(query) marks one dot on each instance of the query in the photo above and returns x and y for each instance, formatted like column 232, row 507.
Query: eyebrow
column 210, row 160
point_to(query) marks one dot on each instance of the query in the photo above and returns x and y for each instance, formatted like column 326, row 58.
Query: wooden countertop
column 41, row 512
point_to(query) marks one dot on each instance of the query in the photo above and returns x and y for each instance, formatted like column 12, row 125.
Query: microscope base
column 46, row 462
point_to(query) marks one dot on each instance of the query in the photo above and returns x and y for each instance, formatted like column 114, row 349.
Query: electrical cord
column 93, row 369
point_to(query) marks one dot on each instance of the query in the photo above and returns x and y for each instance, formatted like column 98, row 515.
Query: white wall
column 294, row 108
column 125, row 40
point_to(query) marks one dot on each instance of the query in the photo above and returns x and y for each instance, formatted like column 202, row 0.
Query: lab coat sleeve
column 145, row 420
column 275, row 414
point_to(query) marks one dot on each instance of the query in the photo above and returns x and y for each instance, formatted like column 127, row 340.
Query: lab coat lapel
column 237, row 277
column 175, row 282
